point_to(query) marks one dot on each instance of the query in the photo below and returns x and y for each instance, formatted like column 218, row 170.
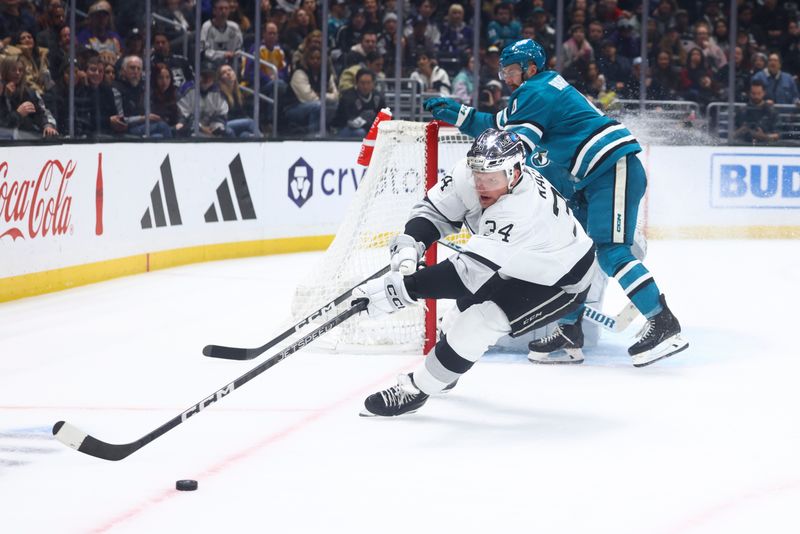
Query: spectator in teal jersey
column 504, row 29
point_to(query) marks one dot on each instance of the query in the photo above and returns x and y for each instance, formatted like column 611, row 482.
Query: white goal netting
column 394, row 181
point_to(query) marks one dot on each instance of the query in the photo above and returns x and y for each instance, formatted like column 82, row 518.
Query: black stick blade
column 75, row 438
column 228, row 353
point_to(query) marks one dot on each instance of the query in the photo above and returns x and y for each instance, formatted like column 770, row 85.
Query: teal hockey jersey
column 548, row 112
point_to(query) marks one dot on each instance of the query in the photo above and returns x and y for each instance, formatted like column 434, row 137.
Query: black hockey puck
column 186, row 485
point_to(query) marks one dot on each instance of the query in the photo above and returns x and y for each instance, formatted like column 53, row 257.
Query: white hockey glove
column 386, row 295
column 405, row 253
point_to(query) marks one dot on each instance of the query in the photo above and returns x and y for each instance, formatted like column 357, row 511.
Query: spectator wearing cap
column 615, row 68
column 632, row 88
column 14, row 18
column 504, row 29
column 490, row 66
column 576, row 47
column 545, row 34
column 358, row 106
column 780, row 86
column 431, row 77
column 129, row 95
column 664, row 15
column 350, row 34
column 387, row 40
column 425, row 13
column 627, row 43
column 337, row 17
column 221, row 38
column 419, row 40
column 456, row 35
column 99, row 34
column 715, row 57
column 491, row 97
column 134, row 46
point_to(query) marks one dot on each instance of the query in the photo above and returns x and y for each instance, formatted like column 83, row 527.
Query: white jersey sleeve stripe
column 588, row 146
column 609, row 147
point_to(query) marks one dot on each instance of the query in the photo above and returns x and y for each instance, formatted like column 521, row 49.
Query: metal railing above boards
column 274, row 100
column 788, row 126
column 409, row 97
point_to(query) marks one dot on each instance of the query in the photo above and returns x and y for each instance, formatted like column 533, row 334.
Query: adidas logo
column 225, row 204
column 156, row 210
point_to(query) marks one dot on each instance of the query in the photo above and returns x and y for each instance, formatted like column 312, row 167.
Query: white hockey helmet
column 496, row 150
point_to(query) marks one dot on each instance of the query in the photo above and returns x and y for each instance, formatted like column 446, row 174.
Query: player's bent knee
column 476, row 329
column 468, row 336
column 613, row 257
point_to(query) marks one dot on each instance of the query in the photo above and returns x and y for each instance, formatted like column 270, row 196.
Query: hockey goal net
column 407, row 160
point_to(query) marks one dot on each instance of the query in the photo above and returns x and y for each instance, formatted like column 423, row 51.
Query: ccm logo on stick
column 197, row 408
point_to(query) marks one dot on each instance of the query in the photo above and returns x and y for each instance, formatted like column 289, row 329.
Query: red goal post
column 407, row 160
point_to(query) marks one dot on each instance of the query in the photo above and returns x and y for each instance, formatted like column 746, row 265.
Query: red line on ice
column 245, row 453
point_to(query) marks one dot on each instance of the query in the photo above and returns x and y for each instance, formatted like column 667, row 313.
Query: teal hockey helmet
column 524, row 52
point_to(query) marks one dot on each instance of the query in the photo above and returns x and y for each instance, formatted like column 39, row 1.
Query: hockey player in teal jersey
column 606, row 179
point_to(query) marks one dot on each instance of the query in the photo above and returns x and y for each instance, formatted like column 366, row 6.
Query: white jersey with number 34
column 528, row 234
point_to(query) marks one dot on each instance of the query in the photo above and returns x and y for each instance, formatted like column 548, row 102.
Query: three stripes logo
column 225, row 200
column 156, row 210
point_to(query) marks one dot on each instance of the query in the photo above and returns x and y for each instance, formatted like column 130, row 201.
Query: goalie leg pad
column 472, row 332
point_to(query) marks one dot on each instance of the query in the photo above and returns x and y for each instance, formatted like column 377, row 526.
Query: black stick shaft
column 241, row 353
column 75, row 438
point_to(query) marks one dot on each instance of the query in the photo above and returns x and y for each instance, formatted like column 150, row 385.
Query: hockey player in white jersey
column 527, row 263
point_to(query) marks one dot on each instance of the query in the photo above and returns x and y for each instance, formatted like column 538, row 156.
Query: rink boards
column 76, row 214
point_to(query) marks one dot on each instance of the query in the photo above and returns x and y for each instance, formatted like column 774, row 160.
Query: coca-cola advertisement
column 36, row 207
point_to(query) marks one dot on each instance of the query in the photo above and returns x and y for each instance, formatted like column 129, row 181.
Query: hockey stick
column 75, row 438
column 239, row 353
column 614, row 323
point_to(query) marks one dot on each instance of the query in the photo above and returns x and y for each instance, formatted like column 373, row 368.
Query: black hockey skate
column 660, row 338
column 562, row 346
column 400, row 399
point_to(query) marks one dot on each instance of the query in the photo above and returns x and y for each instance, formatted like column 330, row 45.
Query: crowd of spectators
column 687, row 58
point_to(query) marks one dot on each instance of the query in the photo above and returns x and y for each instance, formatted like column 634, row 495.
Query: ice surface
column 706, row 441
